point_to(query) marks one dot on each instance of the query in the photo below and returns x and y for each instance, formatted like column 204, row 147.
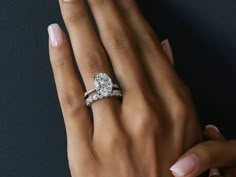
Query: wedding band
column 103, row 88
column 96, row 97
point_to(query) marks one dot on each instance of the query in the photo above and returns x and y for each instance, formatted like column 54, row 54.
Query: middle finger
column 120, row 46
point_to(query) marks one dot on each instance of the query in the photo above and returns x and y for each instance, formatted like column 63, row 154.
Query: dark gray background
column 32, row 135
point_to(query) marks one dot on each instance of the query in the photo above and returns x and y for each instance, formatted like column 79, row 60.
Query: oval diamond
column 103, row 84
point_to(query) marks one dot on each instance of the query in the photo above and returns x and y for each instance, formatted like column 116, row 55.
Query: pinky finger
column 215, row 153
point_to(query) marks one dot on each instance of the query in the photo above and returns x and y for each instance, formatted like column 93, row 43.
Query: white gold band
column 95, row 97
column 116, row 86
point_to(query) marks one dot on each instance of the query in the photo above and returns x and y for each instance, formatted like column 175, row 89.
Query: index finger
column 70, row 92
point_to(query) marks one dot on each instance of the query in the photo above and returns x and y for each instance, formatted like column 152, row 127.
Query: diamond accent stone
column 95, row 97
column 103, row 84
column 89, row 100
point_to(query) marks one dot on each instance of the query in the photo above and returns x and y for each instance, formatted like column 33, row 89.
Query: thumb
column 209, row 154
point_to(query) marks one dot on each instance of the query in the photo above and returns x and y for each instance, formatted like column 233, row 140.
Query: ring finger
column 90, row 56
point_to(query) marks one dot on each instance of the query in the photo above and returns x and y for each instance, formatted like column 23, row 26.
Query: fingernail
column 185, row 165
column 55, row 35
column 168, row 50
column 210, row 126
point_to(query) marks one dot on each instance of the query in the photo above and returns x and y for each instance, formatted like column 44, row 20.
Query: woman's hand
column 214, row 153
column 141, row 135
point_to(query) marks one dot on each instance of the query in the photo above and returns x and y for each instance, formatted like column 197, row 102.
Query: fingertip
column 185, row 165
column 212, row 127
column 56, row 35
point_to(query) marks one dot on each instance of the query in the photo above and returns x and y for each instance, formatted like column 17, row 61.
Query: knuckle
column 115, row 140
column 127, row 5
column 120, row 41
column 98, row 3
column 150, row 40
column 95, row 61
column 74, row 15
column 180, row 111
column 182, row 106
column 72, row 19
column 149, row 35
column 145, row 123
column 184, row 91
column 71, row 103
column 146, row 115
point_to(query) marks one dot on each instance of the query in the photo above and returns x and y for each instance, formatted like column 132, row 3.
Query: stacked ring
column 104, row 88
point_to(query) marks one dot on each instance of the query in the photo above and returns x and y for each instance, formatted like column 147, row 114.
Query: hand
column 149, row 129
column 217, row 152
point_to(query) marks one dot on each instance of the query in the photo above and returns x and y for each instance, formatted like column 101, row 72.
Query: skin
column 141, row 135
column 215, row 152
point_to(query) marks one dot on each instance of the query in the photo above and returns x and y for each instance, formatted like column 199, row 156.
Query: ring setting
column 103, row 88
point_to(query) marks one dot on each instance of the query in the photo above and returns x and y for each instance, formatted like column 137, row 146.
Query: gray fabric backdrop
column 32, row 135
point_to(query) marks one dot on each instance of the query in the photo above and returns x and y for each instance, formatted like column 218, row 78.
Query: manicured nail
column 168, row 50
column 212, row 127
column 55, row 35
column 185, row 165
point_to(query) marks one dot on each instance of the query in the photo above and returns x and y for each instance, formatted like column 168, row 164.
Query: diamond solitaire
column 103, row 88
column 103, row 84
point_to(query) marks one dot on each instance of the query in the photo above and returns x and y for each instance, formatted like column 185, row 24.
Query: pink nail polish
column 212, row 127
column 55, row 35
column 168, row 50
column 185, row 165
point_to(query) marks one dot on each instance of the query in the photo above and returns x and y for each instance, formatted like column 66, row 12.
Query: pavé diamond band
column 95, row 97
column 103, row 88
